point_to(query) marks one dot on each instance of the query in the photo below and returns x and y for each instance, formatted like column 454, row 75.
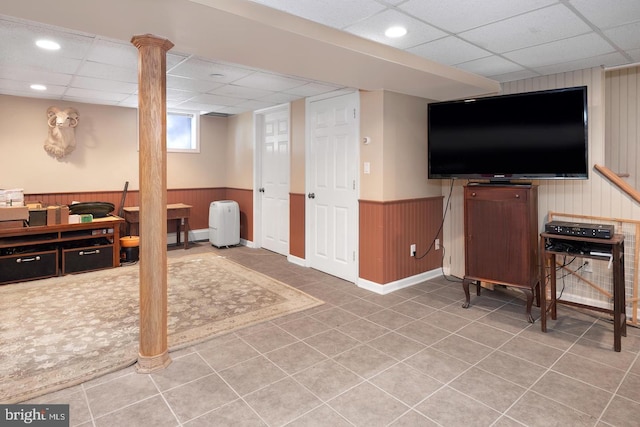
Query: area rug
column 62, row 331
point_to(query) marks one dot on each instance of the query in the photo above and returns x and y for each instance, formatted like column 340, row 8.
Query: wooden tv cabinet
column 29, row 253
column 501, row 238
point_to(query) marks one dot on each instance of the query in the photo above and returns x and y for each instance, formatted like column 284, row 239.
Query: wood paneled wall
column 245, row 203
column 297, row 224
column 622, row 123
column 387, row 231
column 199, row 198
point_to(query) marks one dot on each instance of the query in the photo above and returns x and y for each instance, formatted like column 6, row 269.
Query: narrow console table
column 178, row 212
column 28, row 253
column 612, row 250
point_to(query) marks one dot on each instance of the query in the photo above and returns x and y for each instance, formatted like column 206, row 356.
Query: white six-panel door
column 274, row 189
column 332, row 187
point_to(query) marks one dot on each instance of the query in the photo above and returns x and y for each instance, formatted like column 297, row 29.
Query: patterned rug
column 58, row 332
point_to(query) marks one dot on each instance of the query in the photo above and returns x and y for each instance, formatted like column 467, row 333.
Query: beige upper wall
column 106, row 155
column 297, row 146
column 396, row 125
column 239, row 158
column 405, row 148
column 371, row 126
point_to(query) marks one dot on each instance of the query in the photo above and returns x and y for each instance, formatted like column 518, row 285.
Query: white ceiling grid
column 500, row 39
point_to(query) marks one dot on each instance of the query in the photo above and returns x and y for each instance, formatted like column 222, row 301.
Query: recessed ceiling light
column 47, row 44
column 38, row 87
column 394, row 32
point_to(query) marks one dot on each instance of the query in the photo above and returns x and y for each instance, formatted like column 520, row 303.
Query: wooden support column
column 152, row 136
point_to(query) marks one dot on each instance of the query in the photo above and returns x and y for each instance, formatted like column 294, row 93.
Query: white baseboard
column 203, row 235
column 194, row 235
column 398, row 284
column 297, row 260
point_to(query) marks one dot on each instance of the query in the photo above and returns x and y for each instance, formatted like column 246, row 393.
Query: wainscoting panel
column 296, row 224
column 387, row 231
column 245, row 202
column 199, row 198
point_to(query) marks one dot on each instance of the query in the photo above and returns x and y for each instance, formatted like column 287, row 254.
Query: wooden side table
column 605, row 247
column 178, row 212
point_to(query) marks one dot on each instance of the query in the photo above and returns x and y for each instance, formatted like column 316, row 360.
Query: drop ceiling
column 233, row 56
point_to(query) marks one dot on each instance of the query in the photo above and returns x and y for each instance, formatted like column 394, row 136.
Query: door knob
column 261, row 189
column 312, row 195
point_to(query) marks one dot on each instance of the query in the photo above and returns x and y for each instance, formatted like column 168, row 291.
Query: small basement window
column 183, row 132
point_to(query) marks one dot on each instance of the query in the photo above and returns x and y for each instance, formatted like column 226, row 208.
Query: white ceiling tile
column 278, row 98
column 373, row 28
column 114, row 53
column 517, row 75
column 180, row 95
column 491, row 66
column 625, row 36
column 635, row 54
column 240, row 91
column 530, row 29
column 561, row 51
column 195, row 106
column 106, row 71
column 201, row 69
column 449, row 50
column 42, row 61
column 32, row 75
column 22, row 36
column 466, row 14
column 607, row 60
column 89, row 100
column 216, row 99
column 328, row 12
column 273, row 81
column 23, row 87
column 231, row 110
column 95, row 94
column 175, row 58
column 104, row 85
column 130, row 101
column 311, row 89
column 252, row 105
column 185, row 83
column 607, row 14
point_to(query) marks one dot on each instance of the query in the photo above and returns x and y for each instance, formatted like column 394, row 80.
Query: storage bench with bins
column 29, row 253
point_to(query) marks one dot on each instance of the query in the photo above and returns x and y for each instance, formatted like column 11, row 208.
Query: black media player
column 598, row 231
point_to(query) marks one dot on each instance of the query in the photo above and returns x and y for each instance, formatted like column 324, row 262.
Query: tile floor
column 410, row 358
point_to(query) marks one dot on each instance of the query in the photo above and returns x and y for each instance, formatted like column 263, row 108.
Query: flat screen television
column 532, row 135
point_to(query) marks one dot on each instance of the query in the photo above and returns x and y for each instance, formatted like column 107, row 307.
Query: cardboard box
column 14, row 213
column 57, row 215
column 11, row 224
column 37, row 217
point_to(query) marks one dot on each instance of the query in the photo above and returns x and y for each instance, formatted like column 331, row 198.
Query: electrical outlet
column 588, row 268
column 413, row 250
column 437, row 244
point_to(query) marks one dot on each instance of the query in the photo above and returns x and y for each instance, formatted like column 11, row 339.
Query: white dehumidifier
column 224, row 223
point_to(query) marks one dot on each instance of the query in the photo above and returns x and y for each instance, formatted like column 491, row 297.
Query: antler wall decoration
column 62, row 126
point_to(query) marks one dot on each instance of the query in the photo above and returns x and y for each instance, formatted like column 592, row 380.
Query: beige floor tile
column 282, row 402
column 367, row 405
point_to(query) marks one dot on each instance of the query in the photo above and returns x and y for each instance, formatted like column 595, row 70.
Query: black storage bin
column 28, row 266
column 88, row 258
